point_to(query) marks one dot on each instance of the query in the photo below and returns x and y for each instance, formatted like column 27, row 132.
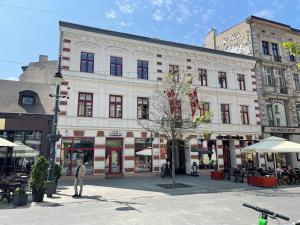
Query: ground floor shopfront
column 117, row 152
column 284, row 159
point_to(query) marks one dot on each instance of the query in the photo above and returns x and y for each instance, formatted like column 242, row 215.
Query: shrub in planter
column 57, row 174
column 20, row 197
column 38, row 179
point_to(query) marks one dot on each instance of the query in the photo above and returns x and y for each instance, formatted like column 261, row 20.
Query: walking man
column 79, row 175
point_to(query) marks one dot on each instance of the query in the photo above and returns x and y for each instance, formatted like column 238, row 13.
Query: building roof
column 272, row 22
column 9, row 97
column 152, row 40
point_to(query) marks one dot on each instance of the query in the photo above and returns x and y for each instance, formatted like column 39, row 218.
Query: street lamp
column 54, row 137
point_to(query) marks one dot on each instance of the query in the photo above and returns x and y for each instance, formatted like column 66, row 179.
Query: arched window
column 276, row 112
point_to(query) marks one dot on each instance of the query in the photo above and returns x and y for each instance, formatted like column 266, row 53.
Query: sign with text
column 284, row 130
column 115, row 133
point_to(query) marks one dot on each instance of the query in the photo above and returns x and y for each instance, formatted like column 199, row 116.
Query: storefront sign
column 285, row 130
column 115, row 133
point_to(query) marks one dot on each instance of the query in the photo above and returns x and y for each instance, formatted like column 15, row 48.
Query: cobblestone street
column 141, row 201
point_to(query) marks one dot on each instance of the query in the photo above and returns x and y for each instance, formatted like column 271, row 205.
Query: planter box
column 20, row 200
column 262, row 181
column 216, row 175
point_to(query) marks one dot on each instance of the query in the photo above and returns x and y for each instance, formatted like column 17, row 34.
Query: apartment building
column 110, row 79
column 277, row 78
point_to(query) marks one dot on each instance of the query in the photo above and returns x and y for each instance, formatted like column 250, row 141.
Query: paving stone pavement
column 134, row 201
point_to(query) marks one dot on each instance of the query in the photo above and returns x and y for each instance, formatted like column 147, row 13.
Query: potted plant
column 20, row 197
column 38, row 179
column 57, row 174
column 207, row 134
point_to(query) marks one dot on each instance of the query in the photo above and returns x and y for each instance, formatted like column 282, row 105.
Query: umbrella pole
column 275, row 166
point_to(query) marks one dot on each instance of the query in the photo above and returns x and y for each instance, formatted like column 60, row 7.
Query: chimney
column 43, row 58
column 210, row 39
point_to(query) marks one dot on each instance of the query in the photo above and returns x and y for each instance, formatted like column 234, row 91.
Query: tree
column 172, row 110
column 293, row 48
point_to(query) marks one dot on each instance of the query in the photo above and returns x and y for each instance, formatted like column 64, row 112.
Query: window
column 265, row 47
column 115, row 106
column 276, row 112
column 275, row 52
column 298, row 112
column 280, row 76
column 87, row 62
column 178, row 115
column 27, row 100
column 143, row 108
column 204, row 108
column 268, row 77
column 85, row 104
column 202, row 77
column 222, row 80
column 142, row 69
column 116, row 66
column 244, row 114
column 297, row 82
column 241, row 80
column 292, row 57
column 174, row 70
column 225, row 115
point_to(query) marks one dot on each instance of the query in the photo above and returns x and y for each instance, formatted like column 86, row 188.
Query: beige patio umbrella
column 6, row 143
column 273, row 145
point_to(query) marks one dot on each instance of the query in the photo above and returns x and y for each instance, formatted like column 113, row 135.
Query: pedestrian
column 79, row 175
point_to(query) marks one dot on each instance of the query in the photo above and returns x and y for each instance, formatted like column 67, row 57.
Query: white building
column 110, row 78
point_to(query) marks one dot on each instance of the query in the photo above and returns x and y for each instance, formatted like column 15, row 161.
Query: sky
column 30, row 27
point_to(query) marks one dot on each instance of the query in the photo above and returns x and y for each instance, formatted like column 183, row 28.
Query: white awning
column 273, row 145
column 6, row 143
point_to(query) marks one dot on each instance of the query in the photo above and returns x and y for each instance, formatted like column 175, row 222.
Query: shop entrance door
column 114, row 155
column 115, row 160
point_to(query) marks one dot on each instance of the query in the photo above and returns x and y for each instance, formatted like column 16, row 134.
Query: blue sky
column 30, row 27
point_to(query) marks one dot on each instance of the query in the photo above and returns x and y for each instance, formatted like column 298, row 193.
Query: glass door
column 115, row 160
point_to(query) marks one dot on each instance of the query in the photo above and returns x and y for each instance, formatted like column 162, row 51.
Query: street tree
column 173, row 110
column 293, row 48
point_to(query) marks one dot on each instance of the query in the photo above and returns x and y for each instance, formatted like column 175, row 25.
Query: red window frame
column 244, row 114
column 241, row 80
column 204, row 108
column 87, row 61
column 143, row 68
column 114, row 63
column 71, row 149
column 202, row 77
column 115, row 104
column 145, row 101
column 225, row 113
column 222, row 80
column 85, row 101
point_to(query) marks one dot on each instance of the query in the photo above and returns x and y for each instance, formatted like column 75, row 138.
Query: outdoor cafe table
column 262, row 181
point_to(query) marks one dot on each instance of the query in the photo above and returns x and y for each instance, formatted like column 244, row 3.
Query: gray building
column 277, row 78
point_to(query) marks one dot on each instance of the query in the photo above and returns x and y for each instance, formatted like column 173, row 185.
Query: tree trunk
column 173, row 163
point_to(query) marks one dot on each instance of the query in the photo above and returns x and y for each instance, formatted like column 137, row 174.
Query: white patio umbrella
column 6, row 143
column 273, row 145
column 21, row 150
column 145, row 152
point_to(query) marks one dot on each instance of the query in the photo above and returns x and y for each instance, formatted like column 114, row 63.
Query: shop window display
column 74, row 149
column 143, row 155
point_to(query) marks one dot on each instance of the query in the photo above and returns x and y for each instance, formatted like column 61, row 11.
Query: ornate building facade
column 110, row 79
column 277, row 79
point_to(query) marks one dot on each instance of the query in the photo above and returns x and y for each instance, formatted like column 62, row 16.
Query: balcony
column 277, row 58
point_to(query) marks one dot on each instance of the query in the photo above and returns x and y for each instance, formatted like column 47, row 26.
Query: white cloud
column 126, row 7
column 207, row 15
column 111, row 14
column 126, row 24
column 157, row 2
column 265, row 13
column 157, row 15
